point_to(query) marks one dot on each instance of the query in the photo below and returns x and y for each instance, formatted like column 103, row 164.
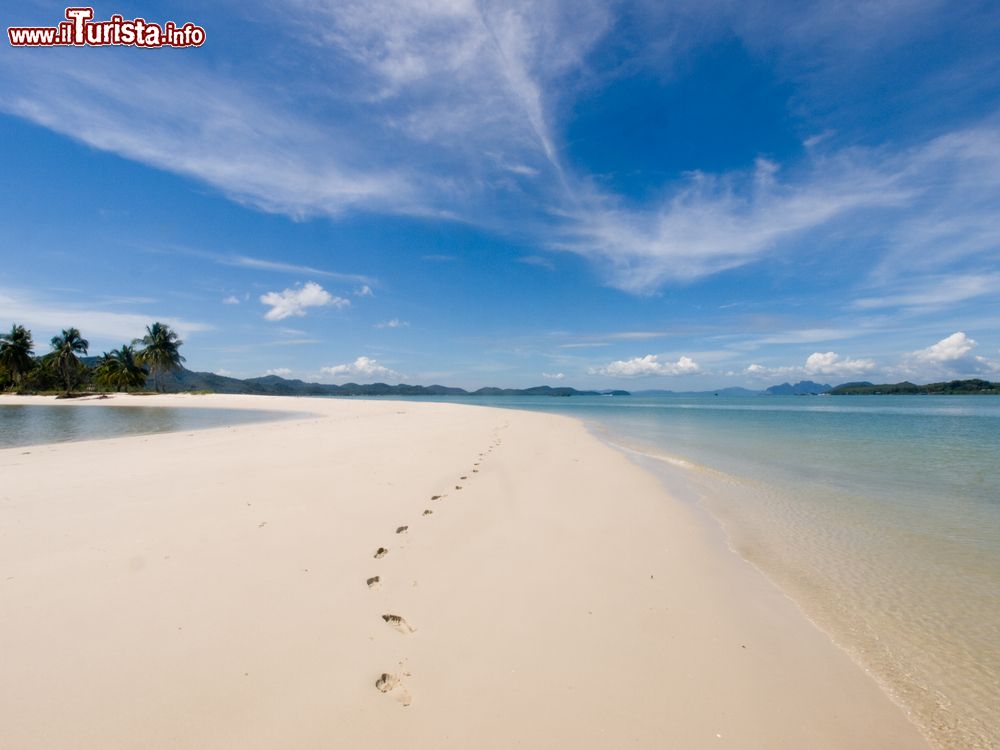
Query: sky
column 686, row 195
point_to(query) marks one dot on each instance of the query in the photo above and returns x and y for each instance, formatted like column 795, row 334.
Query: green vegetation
column 953, row 387
column 119, row 370
column 160, row 351
column 65, row 347
column 65, row 370
column 16, row 349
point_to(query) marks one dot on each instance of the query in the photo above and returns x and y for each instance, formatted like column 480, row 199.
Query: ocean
column 878, row 515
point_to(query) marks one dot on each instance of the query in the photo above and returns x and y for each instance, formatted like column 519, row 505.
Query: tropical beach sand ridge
column 427, row 575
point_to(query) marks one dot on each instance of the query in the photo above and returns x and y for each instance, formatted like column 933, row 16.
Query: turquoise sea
column 878, row 515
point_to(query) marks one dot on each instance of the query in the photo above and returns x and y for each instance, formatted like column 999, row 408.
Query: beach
column 535, row 588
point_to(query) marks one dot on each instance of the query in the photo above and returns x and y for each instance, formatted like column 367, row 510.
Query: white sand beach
column 210, row 590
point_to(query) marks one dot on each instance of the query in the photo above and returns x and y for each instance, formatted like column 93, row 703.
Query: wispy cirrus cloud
column 457, row 111
column 934, row 196
column 933, row 291
column 237, row 260
column 538, row 261
column 243, row 261
column 47, row 317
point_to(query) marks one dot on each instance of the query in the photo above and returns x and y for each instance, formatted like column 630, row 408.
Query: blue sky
column 676, row 195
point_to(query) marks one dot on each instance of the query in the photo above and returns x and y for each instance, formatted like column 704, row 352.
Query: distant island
column 810, row 388
column 802, row 388
column 182, row 379
column 952, row 387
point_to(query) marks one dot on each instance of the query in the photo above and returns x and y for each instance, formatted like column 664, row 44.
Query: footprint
column 458, row 486
column 436, row 497
column 389, row 683
column 262, row 524
column 475, row 471
column 401, row 529
column 374, row 582
column 381, row 552
column 399, row 623
column 428, row 512
column 465, row 477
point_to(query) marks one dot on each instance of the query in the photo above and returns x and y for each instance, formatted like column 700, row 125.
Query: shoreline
column 676, row 482
column 562, row 596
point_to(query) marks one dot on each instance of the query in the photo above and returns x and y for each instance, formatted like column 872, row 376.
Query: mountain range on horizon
column 184, row 380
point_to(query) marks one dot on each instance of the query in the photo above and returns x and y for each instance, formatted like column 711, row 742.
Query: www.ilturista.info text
column 80, row 30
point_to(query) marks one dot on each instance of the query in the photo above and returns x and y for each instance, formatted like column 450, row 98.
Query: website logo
column 80, row 30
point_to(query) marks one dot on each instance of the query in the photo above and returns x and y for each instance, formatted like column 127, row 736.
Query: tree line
column 123, row 369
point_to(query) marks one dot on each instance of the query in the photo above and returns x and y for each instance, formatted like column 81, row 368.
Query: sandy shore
column 210, row 590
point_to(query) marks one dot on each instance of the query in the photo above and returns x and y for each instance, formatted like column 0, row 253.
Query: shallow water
column 36, row 424
column 879, row 515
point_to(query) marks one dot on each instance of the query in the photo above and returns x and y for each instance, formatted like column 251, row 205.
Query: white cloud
column 440, row 108
column 521, row 169
column 361, row 367
column 584, row 345
column 806, row 336
column 949, row 349
column 934, row 291
column 554, row 375
column 232, row 299
column 717, row 222
column 282, row 372
column 243, row 261
column 260, row 264
column 294, row 302
column 49, row 317
column 645, row 366
column 817, row 363
column 190, row 120
column 364, row 291
column 951, row 356
column 831, row 363
column 760, row 371
column 394, row 323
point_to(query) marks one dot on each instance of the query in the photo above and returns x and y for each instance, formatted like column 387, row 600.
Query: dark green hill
column 952, row 387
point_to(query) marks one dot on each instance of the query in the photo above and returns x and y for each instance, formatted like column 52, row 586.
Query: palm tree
column 15, row 352
column 64, row 349
column 118, row 369
column 159, row 351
